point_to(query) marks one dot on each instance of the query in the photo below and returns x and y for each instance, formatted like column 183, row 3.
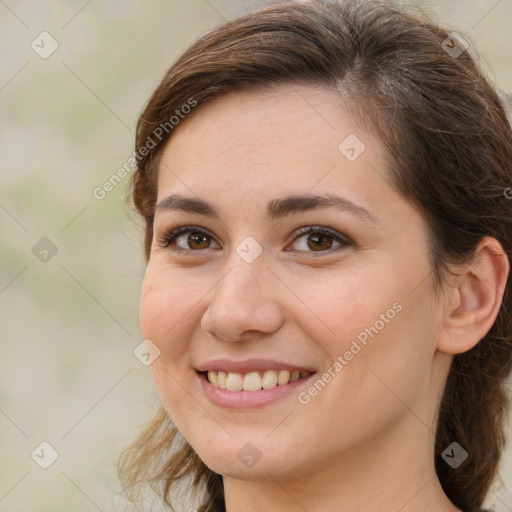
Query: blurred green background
column 71, row 264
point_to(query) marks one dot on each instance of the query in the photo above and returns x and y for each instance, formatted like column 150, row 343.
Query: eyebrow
column 276, row 208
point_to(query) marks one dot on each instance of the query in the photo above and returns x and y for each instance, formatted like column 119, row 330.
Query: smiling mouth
column 253, row 381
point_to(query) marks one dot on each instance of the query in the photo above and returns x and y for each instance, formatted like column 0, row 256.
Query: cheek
column 341, row 306
column 167, row 300
column 381, row 333
column 164, row 306
column 167, row 307
column 392, row 365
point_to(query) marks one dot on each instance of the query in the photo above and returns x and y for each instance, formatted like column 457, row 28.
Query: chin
column 229, row 465
column 247, row 457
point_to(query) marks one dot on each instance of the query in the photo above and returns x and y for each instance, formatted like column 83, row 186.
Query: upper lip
column 249, row 365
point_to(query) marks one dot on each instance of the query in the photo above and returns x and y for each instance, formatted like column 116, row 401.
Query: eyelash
column 167, row 239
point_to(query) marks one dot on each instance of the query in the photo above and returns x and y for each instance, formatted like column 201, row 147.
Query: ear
column 475, row 300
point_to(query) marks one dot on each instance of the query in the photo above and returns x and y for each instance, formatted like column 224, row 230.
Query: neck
column 393, row 471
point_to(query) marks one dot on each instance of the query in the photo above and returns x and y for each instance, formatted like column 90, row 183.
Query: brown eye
column 198, row 241
column 318, row 239
column 187, row 238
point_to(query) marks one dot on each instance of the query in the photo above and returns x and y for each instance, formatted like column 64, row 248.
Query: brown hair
column 450, row 148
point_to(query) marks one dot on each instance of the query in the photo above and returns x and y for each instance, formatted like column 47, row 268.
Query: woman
column 326, row 296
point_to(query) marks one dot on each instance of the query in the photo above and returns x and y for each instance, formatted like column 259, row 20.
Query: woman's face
column 336, row 289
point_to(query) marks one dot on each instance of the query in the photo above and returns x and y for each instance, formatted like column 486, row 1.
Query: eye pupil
column 198, row 239
column 323, row 241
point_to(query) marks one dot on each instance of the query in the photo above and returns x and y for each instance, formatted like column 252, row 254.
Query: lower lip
column 248, row 399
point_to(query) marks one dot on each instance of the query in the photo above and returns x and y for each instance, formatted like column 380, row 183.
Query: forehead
column 285, row 135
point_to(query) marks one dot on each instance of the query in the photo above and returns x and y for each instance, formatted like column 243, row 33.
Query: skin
column 365, row 442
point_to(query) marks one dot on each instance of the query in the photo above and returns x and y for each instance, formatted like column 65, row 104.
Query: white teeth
column 221, row 379
column 283, row 378
column 269, row 379
column 234, row 382
column 254, row 381
column 212, row 377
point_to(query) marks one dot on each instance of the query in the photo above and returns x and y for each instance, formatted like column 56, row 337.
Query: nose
column 244, row 303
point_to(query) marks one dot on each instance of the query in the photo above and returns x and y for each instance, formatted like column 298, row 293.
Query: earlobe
column 476, row 299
